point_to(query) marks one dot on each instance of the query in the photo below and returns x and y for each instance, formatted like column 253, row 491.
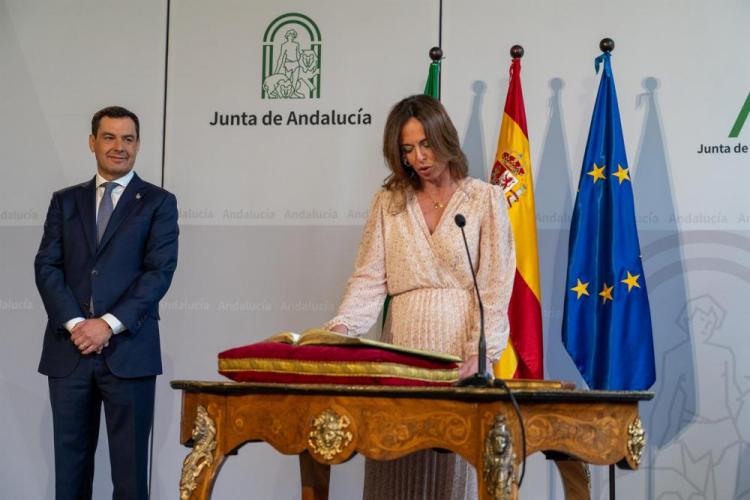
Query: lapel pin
column 137, row 196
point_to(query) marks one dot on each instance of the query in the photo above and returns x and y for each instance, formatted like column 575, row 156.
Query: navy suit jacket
column 125, row 275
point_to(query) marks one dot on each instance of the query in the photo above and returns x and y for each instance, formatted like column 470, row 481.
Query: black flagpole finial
column 436, row 53
column 607, row 45
column 516, row 52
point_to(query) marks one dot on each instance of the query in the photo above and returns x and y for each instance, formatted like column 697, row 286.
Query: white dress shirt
column 122, row 183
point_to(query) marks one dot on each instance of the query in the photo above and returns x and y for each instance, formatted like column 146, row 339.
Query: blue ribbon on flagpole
column 604, row 58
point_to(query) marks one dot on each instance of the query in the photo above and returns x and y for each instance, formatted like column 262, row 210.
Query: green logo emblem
column 741, row 118
column 291, row 58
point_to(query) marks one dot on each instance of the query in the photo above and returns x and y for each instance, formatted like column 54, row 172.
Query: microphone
column 481, row 378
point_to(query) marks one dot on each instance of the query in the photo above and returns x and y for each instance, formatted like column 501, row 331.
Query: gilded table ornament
column 499, row 460
column 204, row 444
column 636, row 440
column 587, row 470
column 329, row 435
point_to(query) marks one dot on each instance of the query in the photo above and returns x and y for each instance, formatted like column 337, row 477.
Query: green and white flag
column 432, row 87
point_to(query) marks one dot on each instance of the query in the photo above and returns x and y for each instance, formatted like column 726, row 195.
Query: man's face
column 115, row 147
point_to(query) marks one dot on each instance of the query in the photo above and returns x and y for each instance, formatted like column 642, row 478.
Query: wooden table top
column 547, row 391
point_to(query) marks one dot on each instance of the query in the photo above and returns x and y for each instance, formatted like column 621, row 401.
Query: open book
column 320, row 336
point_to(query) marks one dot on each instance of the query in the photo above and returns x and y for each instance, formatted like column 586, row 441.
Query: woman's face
column 416, row 150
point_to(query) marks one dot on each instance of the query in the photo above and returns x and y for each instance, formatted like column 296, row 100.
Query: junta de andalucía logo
column 292, row 48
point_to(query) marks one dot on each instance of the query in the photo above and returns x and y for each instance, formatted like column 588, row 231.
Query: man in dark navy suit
column 107, row 257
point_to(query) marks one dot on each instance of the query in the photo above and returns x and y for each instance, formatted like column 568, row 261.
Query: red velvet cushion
column 332, row 364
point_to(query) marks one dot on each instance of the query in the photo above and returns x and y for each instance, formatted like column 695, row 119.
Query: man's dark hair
column 114, row 112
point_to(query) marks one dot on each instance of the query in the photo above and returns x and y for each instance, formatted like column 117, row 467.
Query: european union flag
column 607, row 321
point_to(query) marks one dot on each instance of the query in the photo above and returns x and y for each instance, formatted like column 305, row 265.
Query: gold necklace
column 436, row 203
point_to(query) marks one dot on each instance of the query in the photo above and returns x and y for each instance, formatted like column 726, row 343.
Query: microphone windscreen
column 460, row 220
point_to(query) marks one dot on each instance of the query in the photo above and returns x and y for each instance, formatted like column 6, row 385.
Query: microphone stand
column 481, row 378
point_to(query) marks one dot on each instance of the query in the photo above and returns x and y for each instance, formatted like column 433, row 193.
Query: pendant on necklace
column 438, row 204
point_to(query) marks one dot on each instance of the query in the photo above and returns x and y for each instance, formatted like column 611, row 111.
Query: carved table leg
column 315, row 477
column 497, row 474
column 201, row 465
column 575, row 479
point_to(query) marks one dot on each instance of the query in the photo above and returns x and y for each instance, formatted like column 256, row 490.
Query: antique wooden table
column 326, row 424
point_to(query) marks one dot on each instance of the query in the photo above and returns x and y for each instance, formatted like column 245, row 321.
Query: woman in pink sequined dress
column 412, row 250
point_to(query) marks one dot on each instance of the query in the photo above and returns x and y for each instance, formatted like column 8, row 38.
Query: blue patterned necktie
column 105, row 210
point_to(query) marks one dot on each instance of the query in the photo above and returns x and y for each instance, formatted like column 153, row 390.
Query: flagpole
column 608, row 45
column 439, row 45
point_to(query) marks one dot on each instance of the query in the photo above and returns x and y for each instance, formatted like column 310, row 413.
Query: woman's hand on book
column 340, row 329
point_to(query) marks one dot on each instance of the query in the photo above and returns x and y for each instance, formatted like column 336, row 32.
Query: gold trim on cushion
column 337, row 369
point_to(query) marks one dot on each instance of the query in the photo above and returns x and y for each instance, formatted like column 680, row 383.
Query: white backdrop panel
column 664, row 50
column 680, row 85
column 372, row 54
column 271, row 214
column 60, row 62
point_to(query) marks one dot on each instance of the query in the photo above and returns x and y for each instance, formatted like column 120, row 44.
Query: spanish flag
column 523, row 357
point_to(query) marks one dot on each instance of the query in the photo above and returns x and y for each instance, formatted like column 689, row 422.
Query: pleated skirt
column 424, row 475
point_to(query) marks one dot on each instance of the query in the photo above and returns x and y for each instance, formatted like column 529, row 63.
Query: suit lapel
column 128, row 200
column 86, row 203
